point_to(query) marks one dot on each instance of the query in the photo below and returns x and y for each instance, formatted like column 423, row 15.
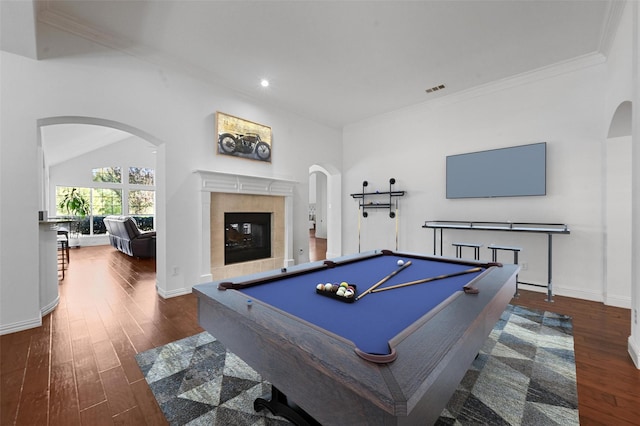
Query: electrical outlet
column 524, row 266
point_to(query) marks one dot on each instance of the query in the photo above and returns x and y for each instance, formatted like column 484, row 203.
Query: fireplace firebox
column 247, row 237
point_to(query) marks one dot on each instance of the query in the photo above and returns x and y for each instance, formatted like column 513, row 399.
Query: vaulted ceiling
column 338, row 62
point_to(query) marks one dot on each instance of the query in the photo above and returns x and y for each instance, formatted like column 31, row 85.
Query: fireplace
column 226, row 193
column 247, row 236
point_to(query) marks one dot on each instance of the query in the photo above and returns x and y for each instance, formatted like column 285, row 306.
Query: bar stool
column 494, row 257
column 63, row 254
column 476, row 249
column 63, row 233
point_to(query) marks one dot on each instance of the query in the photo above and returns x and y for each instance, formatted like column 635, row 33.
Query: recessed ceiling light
column 264, row 82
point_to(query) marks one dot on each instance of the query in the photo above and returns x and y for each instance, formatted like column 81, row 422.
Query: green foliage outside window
column 107, row 174
column 73, row 201
column 106, row 201
column 141, row 202
column 141, row 176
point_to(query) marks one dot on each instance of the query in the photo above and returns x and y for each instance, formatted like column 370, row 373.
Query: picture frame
column 243, row 138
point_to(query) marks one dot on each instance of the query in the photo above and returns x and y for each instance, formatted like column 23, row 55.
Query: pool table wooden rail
column 320, row 372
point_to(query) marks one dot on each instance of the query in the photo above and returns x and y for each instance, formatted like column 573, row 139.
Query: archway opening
column 325, row 211
column 70, row 148
column 617, row 209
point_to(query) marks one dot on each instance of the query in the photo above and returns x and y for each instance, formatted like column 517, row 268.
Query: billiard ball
column 328, row 287
column 400, row 262
column 344, row 284
column 320, row 286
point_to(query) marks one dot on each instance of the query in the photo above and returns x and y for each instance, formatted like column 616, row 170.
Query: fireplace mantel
column 219, row 182
column 245, row 184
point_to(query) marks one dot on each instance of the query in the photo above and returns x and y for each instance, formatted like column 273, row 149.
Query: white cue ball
column 400, row 262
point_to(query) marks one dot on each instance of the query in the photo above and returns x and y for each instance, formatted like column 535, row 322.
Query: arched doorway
column 617, row 209
column 328, row 206
column 159, row 147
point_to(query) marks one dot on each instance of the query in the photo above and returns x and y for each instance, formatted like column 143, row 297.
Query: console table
column 541, row 228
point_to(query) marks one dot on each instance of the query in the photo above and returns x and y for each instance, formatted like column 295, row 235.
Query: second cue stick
column 426, row 280
column 396, row 224
column 382, row 281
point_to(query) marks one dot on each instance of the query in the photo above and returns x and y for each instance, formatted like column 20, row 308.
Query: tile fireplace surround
column 225, row 192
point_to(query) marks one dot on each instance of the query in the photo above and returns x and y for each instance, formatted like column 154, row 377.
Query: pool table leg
column 279, row 405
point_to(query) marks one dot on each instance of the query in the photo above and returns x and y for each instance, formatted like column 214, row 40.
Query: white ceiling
column 334, row 62
column 61, row 142
column 337, row 62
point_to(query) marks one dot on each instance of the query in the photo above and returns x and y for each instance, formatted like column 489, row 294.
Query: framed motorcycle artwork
column 243, row 138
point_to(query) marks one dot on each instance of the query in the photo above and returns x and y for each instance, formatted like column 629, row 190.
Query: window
column 70, row 201
column 106, row 201
column 110, row 196
column 107, row 174
column 141, row 202
column 141, row 176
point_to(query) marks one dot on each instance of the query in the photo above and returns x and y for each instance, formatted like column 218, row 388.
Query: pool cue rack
column 374, row 198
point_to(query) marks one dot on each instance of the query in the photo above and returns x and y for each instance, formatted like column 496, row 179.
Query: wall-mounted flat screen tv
column 516, row 171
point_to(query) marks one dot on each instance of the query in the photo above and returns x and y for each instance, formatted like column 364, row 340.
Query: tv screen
column 506, row 172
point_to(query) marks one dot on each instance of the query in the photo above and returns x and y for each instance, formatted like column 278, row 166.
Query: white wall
column 88, row 80
column 618, row 222
column 562, row 107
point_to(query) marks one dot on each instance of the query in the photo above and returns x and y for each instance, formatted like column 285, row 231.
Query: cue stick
column 396, row 224
column 382, row 281
column 358, row 228
column 426, row 280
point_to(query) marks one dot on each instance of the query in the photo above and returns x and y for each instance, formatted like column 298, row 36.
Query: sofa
column 125, row 236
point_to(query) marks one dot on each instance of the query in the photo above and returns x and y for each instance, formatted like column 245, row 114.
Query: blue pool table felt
column 377, row 317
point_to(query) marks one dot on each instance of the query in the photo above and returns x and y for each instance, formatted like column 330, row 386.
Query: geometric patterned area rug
column 524, row 375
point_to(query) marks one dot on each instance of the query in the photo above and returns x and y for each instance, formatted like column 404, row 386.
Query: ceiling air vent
column 435, row 88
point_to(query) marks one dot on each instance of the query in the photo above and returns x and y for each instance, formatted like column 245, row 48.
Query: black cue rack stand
column 374, row 198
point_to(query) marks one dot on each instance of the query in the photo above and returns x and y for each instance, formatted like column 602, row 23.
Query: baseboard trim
column 618, row 301
column 568, row 292
column 634, row 351
column 20, row 326
column 173, row 293
column 50, row 307
column 330, row 255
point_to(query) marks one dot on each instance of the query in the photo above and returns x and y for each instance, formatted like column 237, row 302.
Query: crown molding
column 539, row 74
column 66, row 23
column 615, row 9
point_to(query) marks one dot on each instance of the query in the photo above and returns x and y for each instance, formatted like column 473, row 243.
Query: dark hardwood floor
column 317, row 247
column 79, row 367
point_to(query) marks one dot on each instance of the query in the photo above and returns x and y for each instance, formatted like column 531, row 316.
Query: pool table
column 387, row 357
